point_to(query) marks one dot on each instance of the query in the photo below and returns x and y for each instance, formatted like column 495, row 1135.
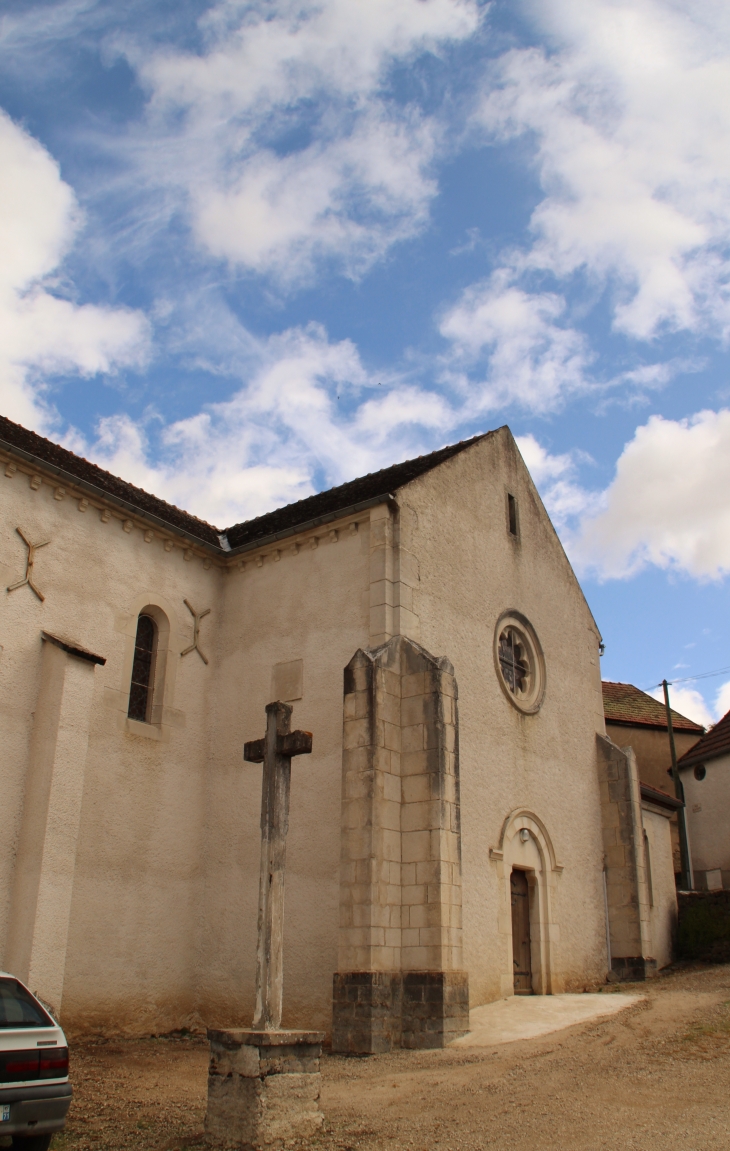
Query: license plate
column 4, row 1112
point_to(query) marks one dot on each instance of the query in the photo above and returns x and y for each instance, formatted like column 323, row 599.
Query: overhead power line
column 700, row 675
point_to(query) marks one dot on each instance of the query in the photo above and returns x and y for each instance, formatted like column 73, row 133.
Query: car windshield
column 19, row 1009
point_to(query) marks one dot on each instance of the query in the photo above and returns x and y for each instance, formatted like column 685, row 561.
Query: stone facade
column 129, row 853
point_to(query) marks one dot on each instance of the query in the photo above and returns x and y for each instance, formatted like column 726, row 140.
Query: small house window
column 700, row 771
column 140, row 691
column 512, row 514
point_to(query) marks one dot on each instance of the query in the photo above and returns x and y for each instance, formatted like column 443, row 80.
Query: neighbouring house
column 705, row 774
column 463, row 830
column 639, row 720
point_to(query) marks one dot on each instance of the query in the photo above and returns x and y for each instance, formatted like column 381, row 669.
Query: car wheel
column 32, row 1142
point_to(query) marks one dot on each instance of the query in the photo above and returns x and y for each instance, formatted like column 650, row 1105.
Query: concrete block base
column 631, row 969
column 377, row 1011
column 263, row 1087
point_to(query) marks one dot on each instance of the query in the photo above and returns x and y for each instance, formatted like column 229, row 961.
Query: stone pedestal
column 263, row 1087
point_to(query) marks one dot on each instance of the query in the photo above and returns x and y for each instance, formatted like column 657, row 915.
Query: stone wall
column 627, row 889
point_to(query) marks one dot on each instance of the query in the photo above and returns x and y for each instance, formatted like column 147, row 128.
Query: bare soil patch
column 653, row 1077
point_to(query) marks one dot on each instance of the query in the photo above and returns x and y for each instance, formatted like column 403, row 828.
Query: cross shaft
column 275, row 750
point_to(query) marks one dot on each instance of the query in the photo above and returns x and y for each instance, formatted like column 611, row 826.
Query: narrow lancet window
column 512, row 514
column 140, row 691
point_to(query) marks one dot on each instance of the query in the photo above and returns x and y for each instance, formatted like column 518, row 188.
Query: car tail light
column 17, row 1066
column 54, row 1063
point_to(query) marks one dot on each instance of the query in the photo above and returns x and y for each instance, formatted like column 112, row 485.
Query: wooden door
column 521, row 933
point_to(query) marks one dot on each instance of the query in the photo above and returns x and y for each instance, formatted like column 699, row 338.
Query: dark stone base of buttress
column 631, row 969
column 377, row 1011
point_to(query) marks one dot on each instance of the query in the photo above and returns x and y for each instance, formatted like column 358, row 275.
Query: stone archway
column 525, row 845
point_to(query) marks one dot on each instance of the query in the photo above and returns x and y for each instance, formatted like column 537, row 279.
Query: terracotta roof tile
column 624, row 703
column 715, row 742
column 45, row 451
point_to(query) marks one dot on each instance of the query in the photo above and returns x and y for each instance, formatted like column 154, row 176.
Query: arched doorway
column 530, row 872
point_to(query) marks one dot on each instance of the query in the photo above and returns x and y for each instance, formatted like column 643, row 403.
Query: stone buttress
column 625, row 870
column 400, row 981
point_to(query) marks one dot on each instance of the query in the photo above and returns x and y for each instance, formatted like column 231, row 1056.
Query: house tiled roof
column 714, row 743
column 322, row 507
column 623, row 703
column 75, row 467
column 336, row 500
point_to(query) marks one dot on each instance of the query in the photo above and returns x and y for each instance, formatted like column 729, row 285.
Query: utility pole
column 687, row 878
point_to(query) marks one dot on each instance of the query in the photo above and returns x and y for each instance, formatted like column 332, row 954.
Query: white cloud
column 688, row 702
column 630, row 113
column 42, row 334
column 669, row 504
column 722, row 701
column 302, row 413
column 531, row 359
column 555, row 477
column 283, row 136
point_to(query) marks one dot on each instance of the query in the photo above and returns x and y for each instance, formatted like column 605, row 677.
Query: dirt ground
column 655, row 1077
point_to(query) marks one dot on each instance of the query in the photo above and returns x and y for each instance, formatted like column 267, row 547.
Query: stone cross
column 275, row 751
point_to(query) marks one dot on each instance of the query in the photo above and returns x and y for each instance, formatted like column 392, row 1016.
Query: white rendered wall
column 708, row 810
column 309, row 604
column 663, row 913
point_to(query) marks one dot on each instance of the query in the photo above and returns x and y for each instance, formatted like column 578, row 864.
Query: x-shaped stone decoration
column 197, row 616
column 28, row 578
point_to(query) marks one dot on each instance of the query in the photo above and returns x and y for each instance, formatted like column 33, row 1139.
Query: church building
column 463, row 829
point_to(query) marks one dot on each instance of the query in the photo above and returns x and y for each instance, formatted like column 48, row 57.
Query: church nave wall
column 134, row 892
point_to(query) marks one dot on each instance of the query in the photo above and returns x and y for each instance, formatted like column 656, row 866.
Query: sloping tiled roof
column 715, row 742
column 626, row 704
column 76, row 468
column 653, row 795
column 318, row 508
column 329, row 503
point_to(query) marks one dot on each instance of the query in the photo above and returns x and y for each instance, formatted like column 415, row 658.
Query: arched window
column 140, row 691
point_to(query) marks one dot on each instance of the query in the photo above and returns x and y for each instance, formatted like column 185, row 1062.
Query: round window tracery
column 519, row 661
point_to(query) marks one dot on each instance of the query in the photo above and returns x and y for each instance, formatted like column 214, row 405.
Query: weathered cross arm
column 294, row 743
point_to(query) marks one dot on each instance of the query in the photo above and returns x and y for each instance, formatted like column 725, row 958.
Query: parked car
column 35, row 1093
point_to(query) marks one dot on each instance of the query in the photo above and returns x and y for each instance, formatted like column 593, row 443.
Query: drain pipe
column 608, row 924
column 687, row 877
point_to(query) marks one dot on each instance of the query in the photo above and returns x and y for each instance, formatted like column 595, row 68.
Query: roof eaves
column 692, row 757
column 660, row 798
column 638, row 723
column 307, row 525
column 108, row 497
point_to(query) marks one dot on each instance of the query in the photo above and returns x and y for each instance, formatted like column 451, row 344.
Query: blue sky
column 255, row 249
